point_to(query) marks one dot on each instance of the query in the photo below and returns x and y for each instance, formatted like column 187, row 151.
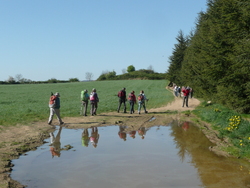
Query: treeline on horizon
column 142, row 74
column 215, row 58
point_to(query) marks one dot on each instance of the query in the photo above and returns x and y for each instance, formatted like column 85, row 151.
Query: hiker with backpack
column 185, row 92
column 54, row 105
column 122, row 99
column 141, row 102
column 93, row 101
column 132, row 101
column 85, row 101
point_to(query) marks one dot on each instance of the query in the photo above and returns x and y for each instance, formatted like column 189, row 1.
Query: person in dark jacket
column 185, row 92
column 132, row 101
column 93, row 102
column 122, row 99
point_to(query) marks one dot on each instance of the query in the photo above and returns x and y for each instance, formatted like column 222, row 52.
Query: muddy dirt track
column 19, row 139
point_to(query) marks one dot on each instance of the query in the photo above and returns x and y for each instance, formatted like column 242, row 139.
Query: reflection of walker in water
column 132, row 134
column 185, row 126
column 142, row 132
column 94, row 136
column 85, row 138
column 122, row 134
column 55, row 143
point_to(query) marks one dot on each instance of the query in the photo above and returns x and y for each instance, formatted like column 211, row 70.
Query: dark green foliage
column 141, row 74
column 73, row 80
column 130, row 68
column 223, row 119
column 216, row 63
column 176, row 60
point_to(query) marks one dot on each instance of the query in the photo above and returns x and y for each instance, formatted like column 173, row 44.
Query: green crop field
column 24, row 103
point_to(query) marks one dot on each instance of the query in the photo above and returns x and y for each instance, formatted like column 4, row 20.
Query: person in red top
column 132, row 101
column 185, row 92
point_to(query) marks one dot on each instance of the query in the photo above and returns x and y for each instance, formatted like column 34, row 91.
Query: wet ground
column 161, row 156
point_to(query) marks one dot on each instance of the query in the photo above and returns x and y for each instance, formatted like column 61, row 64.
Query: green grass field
column 21, row 104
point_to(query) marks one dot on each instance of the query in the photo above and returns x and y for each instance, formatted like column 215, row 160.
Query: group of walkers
column 185, row 92
column 93, row 98
column 54, row 103
column 132, row 101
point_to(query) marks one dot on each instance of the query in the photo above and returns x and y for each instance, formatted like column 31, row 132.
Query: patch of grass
column 15, row 143
column 229, row 124
column 2, row 144
column 30, row 101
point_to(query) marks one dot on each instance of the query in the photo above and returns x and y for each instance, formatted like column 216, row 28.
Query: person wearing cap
column 55, row 110
column 85, row 101
column 93, row 102
column 132, row 101
column 122, row 99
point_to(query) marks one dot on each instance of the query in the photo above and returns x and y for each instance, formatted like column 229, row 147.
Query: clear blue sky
column 64, row 39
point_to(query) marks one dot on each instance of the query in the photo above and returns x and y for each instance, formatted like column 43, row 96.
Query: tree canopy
column 216, row 60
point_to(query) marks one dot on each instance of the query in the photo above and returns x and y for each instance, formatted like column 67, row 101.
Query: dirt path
column 18, row 139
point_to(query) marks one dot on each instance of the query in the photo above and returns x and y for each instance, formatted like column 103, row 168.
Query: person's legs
column 92, row 108
column 187, row 101
column 85, row 107
column 51, row 115
column 144, row 106
column 95, row 108
column 184, row 99
column 57, row 112
column 139, row 107
column 124, row 102
column 131, row 107
column 133, row 110
column 119, row 105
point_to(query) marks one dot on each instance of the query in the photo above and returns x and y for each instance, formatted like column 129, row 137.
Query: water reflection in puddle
column 157, row 157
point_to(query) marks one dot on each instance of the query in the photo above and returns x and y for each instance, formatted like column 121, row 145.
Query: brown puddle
column 163, row 156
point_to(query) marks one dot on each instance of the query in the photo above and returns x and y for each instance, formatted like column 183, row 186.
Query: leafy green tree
column 73, row 80
column 130, row 68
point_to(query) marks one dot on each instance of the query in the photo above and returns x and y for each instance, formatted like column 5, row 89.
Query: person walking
column 141, row 102
column 185, row 92
column 132, row 101
column 122, row 99
column 179, row 91
column 94, row 136
column 191, row 92
column 85, row 137
column 54, row 105
column 93, row 102
column 176, row 90
column 55, row 147
column 85, row 101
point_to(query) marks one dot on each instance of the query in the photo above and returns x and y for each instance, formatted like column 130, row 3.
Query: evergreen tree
column 217, row 60
column 175, row 61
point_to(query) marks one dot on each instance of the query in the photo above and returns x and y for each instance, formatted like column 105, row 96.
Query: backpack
column 140, row 97
column 52, row 101
column 179, row 90
column 92, row 97
column 121, row 94
column 130, row 98
column 84, row 96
